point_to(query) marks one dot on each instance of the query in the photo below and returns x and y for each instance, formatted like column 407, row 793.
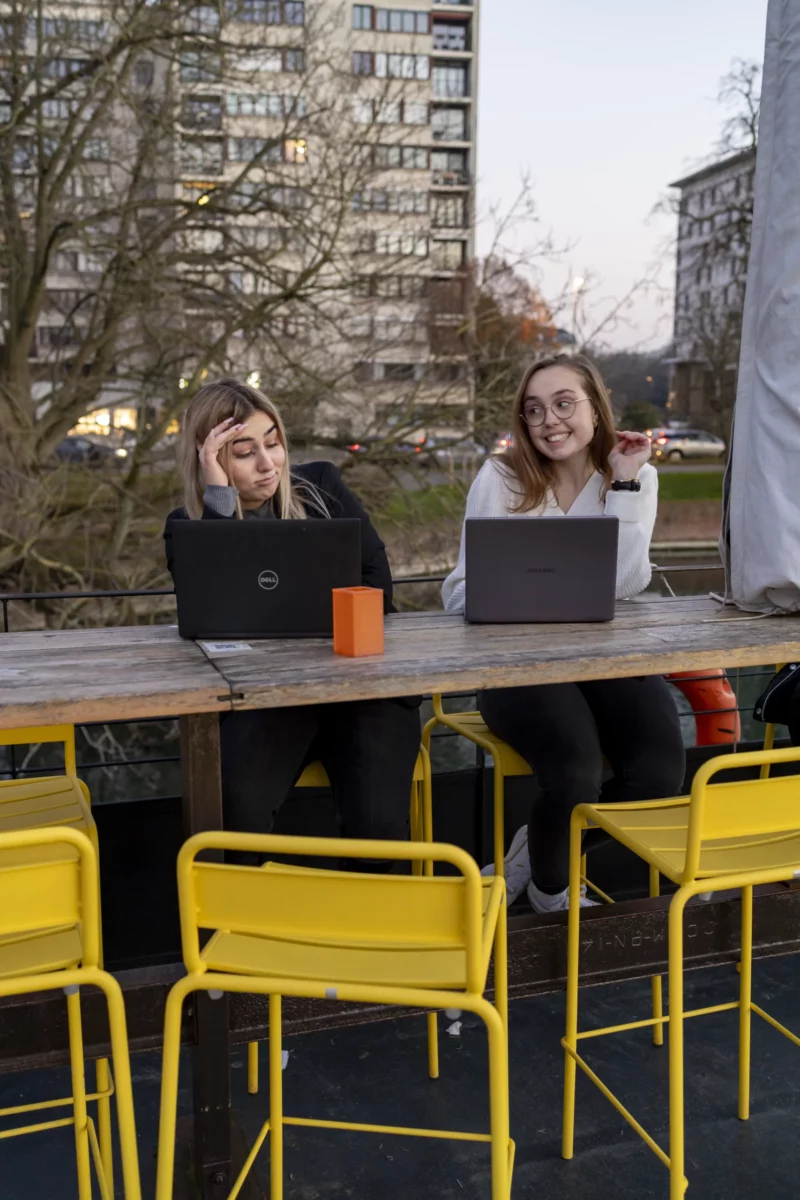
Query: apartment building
column 243, row 163
column 714, row 220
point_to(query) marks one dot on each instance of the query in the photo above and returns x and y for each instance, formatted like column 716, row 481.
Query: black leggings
column 368, row 747
column 563, row 730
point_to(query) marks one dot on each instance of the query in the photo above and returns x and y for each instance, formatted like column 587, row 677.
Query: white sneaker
column 541, row 902
column 517, row 869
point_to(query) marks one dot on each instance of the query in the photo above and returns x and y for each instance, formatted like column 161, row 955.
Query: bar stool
column 47, row 800
column 507, row 765
column 50, row 940
column 415, row 940
column 724, row 835
column 421, row 828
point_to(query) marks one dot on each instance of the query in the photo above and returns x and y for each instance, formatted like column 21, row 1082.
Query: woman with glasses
column 568, row 460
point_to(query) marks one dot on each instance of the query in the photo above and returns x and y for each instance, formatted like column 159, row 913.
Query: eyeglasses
column 534, row 414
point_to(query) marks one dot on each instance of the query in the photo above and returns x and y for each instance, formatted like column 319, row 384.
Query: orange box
column 357, row 621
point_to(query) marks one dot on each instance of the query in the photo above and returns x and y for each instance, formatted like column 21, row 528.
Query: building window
column 447, row 256
column 415, row 112
column 199, row 67
column 449, row 167
column 268, row 12
column 294, row 12
column 389, row 113
column 391, row 200
column 203, row 19
column 201, row 112
column 363, row 63
column 449, row 212
column 402, row 66
column 362, row 16
column 294, row 60
column 450, row 82
column 295, row 150
column 449, row 125
column 399, row 20
column 201, row 157
column 264, row 104
column 144, row 72
column 52, row 110
column 402, row 245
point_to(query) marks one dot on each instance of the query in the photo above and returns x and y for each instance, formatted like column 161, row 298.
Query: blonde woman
column 568, row 460
column 234, row 459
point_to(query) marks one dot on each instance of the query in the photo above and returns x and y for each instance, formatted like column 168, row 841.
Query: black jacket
column 340, row 502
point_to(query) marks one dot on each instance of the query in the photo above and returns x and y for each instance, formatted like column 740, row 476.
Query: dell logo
column 268, row 580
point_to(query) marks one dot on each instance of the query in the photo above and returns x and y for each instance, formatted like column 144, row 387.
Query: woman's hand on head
column 630, row 454
column 211, row 470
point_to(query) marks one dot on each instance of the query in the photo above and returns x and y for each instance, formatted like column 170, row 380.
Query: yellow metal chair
column 507, row 765
column 414, row 940
column 315, row 776
column 50, row 939
column 48, row 800
column 725, row 835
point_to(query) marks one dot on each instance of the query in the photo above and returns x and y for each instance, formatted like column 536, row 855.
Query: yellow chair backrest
column 32, row 735
column 48, row 880
column 742, row 809
column 344, row 908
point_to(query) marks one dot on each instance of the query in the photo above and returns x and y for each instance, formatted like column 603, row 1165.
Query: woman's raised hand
column 630, row 454
column 211, row 469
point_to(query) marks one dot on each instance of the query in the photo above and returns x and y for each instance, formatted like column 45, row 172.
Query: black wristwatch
column 626, row 485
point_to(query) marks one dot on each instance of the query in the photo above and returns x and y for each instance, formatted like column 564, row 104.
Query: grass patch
column 423, row 505
column 690, row 485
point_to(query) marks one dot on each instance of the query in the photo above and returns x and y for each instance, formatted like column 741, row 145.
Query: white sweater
column 494, row 493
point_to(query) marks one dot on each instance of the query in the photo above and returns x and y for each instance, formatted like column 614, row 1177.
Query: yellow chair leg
column 573, row 951
column 123, row 1087
column 79, row 1094
column 275, row 1100
column 103, row 1078
column 169, row 1093
column 498, row 1102
column 501, row 964
column 252, row 1068
column 677, row 1183
column 745, row 999
column 433, row 1045
column 499, row 820
column 655, row 982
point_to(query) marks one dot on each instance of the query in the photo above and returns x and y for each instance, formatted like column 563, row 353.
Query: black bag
column 774, row 703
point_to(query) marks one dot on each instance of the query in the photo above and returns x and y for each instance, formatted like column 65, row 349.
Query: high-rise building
column 714, row 221
column 260, row 142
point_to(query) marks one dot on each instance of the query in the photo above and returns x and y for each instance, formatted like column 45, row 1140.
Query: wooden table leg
column 202, row 810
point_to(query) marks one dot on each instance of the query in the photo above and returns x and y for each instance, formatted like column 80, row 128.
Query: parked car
column 503, row 442
column 78, row 449
column 673, row 445
column 454, row 450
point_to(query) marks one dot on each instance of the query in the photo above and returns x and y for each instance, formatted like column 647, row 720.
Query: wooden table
column 105, row 674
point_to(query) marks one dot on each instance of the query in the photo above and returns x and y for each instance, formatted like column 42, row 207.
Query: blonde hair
column 534, row 471
column 209, row 407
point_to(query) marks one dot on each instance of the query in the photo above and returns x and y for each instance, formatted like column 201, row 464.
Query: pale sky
column 604, row 102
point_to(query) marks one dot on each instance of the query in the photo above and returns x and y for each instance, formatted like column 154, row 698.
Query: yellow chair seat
column 659, row 835
column 417, row 965
column 471, row 725
column 49, row 800
column 52, row 950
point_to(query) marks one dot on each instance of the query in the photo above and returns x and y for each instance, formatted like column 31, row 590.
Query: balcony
column 450, row 37
column 450, row 179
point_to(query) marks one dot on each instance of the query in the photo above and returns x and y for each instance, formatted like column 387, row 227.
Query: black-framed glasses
column 534, row 414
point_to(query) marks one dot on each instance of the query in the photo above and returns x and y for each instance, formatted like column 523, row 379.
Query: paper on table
column 225, row 647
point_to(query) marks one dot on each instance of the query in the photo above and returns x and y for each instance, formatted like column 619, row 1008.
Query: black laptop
column 544, row 569
column 261, row 578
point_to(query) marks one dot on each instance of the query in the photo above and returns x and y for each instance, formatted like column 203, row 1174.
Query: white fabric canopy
column 760, row 540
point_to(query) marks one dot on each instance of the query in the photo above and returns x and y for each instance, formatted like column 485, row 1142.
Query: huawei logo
column 268, row 580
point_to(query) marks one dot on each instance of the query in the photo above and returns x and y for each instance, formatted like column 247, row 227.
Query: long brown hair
column 212, row 405
column 532, row 470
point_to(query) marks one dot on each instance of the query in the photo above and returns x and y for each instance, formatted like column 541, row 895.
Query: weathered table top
column 433, row 652
column 104, row 674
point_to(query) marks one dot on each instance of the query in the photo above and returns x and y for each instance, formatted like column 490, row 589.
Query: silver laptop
column 544, row 569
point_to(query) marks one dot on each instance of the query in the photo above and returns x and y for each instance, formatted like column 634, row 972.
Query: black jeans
column 563, row 730
column 368, row 748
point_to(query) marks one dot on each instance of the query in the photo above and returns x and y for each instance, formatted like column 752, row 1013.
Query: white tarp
column 761, row 527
